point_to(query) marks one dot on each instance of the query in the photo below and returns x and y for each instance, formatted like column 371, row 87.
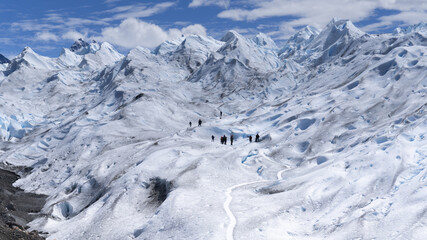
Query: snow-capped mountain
column 298, row 41
column 265, row 41
column 239, row 66
column 3, row 59
column 81, row 47
column 420, row 27
column 341, row 115
column 28, row 59
column 3, row 62
column 167, row 47
column 194, row 50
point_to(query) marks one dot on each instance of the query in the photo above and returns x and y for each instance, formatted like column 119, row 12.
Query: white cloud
column 54, row 22
column 286, row 31
column 34, row 25
column 133, row 32
column 409, row 18
column 73, row 35
column 6, row 41
column 194, row 29
column 319, row 13
column 199, row 3
column 138, row 10
column 46, row 36
column 76, row 22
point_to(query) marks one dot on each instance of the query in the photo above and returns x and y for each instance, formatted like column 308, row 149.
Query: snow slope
column 341, row 114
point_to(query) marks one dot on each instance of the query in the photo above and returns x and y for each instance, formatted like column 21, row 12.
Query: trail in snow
column 228, row 193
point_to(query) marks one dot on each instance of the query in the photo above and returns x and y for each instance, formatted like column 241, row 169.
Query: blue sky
column 48, row 25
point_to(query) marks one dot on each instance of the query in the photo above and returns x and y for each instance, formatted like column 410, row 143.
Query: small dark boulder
column 160, row 189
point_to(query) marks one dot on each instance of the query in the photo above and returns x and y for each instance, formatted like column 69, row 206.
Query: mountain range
column 341, row 116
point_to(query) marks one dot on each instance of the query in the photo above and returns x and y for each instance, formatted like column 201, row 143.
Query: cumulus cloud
column 199, row 3
column 73, row 35
column 319, row 13
column 46, row 36
column 133, row 32
column 194, row 29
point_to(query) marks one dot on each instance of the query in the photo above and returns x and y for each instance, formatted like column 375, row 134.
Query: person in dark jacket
column 200, row 122
column 190, row 124
column 257, row 138
column 225, row 140
column 250, row 139
column 220, row 115
column 213, row 138
column 231, row 139
column 222, row 140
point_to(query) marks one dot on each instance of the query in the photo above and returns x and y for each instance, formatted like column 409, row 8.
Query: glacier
column 341, row 114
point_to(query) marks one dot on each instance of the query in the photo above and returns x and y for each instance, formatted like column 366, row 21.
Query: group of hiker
column 200, row 123
column 224, row 138
column 256, row 138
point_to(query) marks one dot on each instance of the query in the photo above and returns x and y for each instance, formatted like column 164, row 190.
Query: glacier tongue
column 341, row 115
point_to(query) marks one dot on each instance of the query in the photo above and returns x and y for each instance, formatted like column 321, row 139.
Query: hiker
column 225, row 140
column 257, row 138
column 190, row 124
column 250, row 139
column 231, row 139
column 200, row 122
column 222, row 140
column 213, row 138
column 220, row 114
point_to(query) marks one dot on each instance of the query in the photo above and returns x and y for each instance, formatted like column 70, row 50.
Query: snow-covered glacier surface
column 342, row 117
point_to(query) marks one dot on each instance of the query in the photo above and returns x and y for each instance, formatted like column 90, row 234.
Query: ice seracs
column 14, row 128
